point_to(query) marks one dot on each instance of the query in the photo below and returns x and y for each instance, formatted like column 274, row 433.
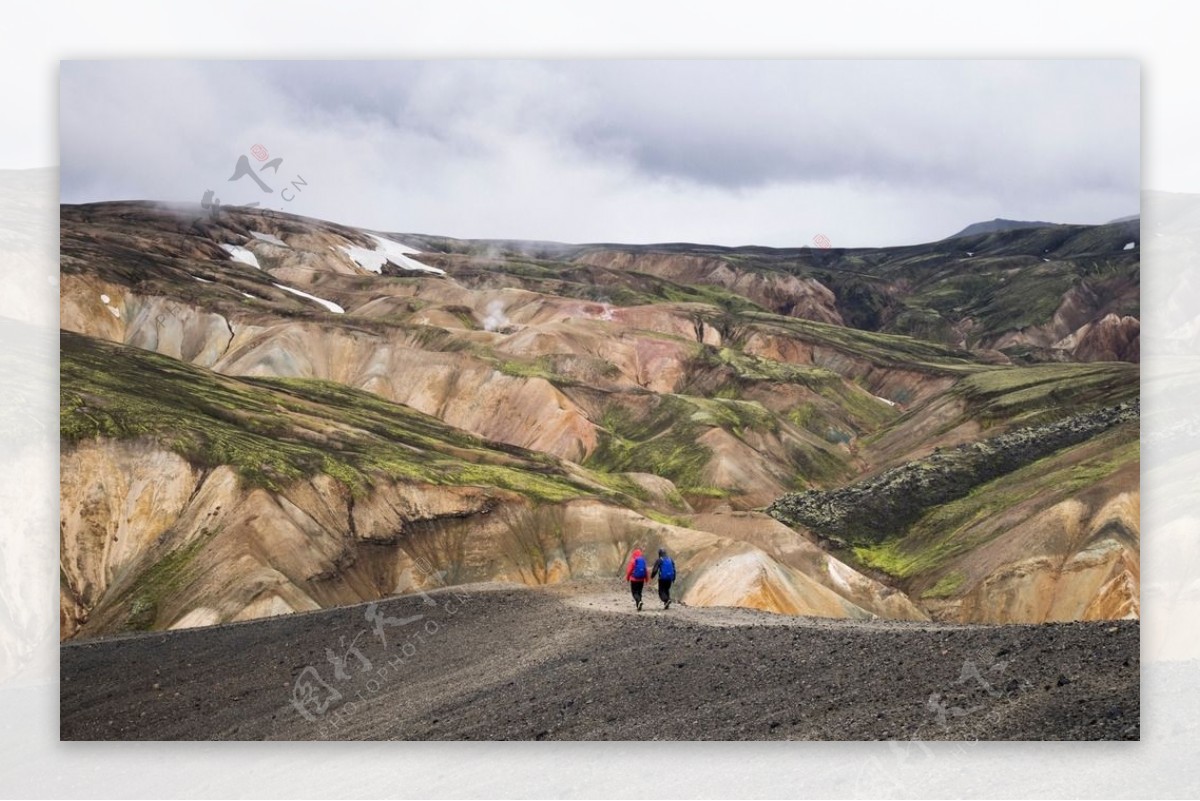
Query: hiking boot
column 667, row 604
column 639, row 606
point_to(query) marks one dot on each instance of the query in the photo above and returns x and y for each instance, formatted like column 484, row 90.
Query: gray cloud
column 969, row 125
column 762, row 152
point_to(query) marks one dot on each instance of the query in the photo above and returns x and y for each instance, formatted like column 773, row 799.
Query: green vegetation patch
column 541, row 367
column 885, row 350
column 274, row 431
column 668, row 520
column 162, row 580
column 1015, row 302
column 955, row 528
column 1039, row 393
column 946, row 586
column 662, row 441
column 736, row 416
column 739, row 372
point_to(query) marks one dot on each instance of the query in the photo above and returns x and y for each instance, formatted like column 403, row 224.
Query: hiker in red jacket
column 636, row 574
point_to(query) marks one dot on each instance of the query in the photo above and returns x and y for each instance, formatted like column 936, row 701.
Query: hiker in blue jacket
column 664, row 569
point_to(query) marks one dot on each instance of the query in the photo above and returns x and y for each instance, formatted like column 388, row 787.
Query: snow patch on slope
column 329, row 304
column 367, row 259
column 274, row 240
column 387, row 250
column 241, row 254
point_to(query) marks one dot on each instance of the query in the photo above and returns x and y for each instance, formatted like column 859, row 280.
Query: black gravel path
column 577, row 663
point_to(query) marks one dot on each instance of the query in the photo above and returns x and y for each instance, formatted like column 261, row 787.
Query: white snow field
column 387, row 250
column 238, row 253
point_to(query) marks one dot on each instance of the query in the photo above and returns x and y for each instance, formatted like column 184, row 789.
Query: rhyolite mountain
column 263, row 413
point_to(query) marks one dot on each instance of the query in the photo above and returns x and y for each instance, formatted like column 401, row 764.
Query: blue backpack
column 639, row 567
column 666, row 570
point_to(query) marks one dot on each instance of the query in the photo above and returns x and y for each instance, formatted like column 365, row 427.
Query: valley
column 265, row 414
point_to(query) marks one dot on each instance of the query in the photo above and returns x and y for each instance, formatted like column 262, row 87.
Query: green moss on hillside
column 946, row 586
column 662, row 442
column 885, row 350
column 1038, row 393
column 957, row 527
column 733, row 415
column 540, row 367
column 160, row 581
column 275, row 431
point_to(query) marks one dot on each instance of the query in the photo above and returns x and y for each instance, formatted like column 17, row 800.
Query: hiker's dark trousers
column 664, row 590
column 636, row 588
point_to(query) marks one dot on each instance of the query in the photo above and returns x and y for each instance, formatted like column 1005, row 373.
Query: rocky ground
column 576, row 662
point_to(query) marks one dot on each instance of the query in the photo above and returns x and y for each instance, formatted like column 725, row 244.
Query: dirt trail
column 577, row 662
column 601, row 597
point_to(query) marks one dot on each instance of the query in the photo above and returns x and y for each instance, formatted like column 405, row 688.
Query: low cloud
column 775, row 153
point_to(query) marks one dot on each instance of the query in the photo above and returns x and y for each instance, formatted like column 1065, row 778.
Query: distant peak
column 1000, row 224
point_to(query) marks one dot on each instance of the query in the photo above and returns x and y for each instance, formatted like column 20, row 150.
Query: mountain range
column 265, row 414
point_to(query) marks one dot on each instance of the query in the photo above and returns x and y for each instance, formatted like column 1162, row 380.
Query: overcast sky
column 727, row 152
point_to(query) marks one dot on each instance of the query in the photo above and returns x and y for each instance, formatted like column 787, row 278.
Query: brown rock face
column 1111, row 338
column 158, row 544
column 1088, row 570
column 806, row 298
column 117, row 500
column 1081, row 330
column 806, row 577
